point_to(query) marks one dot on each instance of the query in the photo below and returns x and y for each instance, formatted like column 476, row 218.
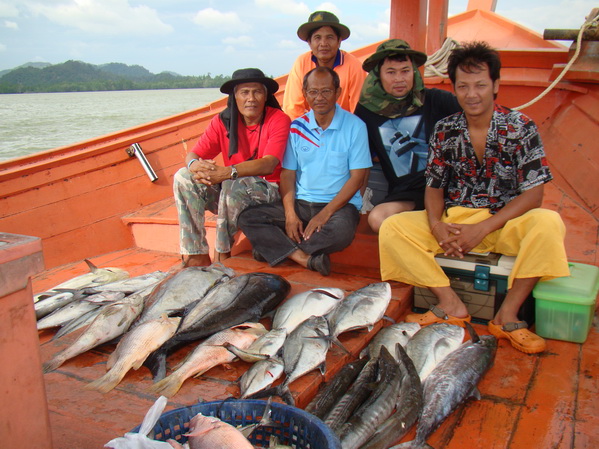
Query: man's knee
column 547, row 220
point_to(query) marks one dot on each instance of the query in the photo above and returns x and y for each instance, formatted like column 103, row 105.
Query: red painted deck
column 539, row 401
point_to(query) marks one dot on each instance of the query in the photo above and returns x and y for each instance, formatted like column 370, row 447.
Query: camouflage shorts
column 226, row 201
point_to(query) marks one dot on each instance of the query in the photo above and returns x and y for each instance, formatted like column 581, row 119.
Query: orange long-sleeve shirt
column 350, row 73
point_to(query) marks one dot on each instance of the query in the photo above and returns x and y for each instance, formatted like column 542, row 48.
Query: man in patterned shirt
column 485, row 175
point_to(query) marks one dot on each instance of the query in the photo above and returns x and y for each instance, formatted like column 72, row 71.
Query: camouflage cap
column 321, row 19
column 393, row 47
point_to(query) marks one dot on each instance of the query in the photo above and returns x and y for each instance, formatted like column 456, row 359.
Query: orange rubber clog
column 519, row 336
column 436, row 315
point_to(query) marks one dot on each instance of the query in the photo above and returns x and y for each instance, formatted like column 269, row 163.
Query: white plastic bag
column 140, row 440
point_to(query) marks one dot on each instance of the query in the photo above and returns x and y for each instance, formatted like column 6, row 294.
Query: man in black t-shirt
column 400, row 114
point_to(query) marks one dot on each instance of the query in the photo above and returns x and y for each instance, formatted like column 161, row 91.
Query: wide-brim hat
column 322, row 19
column 393, row 47
column 251, row 75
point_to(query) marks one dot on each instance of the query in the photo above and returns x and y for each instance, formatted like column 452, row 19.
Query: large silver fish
column 260, row 375
column 377, row 408
column 65, row 314
column 360, row 309
column 389, row 336
column 315, row 302
column 112, row 322
column 244, row 298
column 451, row 383
column 133, row 349
column 431, row 344
column 96, row 276
column 407, row 410
column 209, row 354
column 182, row 288
column 48, row 304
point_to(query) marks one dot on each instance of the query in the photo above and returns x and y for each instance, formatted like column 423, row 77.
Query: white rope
column 587, row 24
column 436, row 64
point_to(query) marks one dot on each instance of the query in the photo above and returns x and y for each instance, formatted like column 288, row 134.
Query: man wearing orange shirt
column 324, row 34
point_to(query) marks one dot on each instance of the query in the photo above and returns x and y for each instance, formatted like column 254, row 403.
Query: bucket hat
column 249, row 76
column 320, row 19
column 393, row 47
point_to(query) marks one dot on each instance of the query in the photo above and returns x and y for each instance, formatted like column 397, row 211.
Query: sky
column 197, row 37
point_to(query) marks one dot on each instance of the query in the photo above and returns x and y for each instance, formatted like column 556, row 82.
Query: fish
column 378, row 406
column 65, row 314
column 243, row 298
column 130, row 285
column 133, row 349
column 209, row 354
column 315, row 302
column 112, row 322
column 431, row 344
column 268, row 345
column 306, row 348
column 451, row 383
column 357, row 393
column 209, row 432
column 46, row 305
column 388, row 337
column 260, row 375
column 96, row 276
column 333, row 390
column 360, row 309
column 181, row 288
column 407, row 409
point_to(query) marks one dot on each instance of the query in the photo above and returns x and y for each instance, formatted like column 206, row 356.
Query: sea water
column 30, row 123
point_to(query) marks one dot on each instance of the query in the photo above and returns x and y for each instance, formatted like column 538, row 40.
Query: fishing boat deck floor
column 528, row 401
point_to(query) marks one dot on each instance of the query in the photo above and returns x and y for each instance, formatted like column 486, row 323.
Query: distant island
column 77, row 76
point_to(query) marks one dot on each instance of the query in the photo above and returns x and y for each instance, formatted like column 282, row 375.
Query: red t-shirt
column 270, row 140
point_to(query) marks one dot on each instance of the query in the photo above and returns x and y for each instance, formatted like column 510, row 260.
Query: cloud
column 2, row 47
column 330, row 7
column 8, row 10
column 241, row 41
column 288, row 7
column 108, row 17
column 11, row 25
column 210, row 18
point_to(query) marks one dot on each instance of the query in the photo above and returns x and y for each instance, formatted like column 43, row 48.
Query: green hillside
column 77, row 76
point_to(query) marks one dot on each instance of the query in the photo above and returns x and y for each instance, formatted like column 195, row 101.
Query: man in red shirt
column 251, row 135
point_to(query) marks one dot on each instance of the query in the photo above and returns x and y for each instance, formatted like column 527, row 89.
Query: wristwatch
column 234, row 173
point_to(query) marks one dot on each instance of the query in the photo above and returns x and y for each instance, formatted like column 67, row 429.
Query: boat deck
column 528, row 401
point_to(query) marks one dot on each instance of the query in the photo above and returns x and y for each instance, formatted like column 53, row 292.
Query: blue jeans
column 264, row 226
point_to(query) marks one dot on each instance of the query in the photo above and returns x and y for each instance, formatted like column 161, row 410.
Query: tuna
column 431, row 344
column 244, row 298
column 451, row 383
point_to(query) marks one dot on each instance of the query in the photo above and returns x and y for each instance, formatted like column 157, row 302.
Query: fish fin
column 53, row 363
column 336, row 342
column 168, row 386
column 475, row 393
column 473, row 335
column 388, row 318
column 106, row 383
column 90, row 265
column 323, row 368
column 156, row 363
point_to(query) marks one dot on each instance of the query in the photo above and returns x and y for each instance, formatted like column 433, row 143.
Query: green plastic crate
column 565, row 306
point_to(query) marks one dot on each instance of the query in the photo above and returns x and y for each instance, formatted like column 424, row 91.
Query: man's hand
column 205, row 171
column 316, row 223
column 294, row 227
column 459, row 239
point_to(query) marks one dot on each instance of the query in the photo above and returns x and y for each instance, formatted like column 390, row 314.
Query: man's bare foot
column 196, row 260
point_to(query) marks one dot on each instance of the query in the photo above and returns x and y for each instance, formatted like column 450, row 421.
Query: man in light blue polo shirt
column 325, row 163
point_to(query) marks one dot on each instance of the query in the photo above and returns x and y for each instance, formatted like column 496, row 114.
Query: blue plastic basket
column 295, row 427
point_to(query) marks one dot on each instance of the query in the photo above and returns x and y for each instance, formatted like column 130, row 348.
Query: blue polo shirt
column 322, row 159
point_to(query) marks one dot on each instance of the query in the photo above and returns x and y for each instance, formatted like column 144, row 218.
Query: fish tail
column 168, row 386
column 107, row 382
column 336, row 342
column 54, row 363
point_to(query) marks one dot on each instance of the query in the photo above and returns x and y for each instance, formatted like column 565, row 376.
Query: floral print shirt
column 514, row 160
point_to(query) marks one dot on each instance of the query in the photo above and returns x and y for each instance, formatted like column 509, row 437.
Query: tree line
column 77, row 76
